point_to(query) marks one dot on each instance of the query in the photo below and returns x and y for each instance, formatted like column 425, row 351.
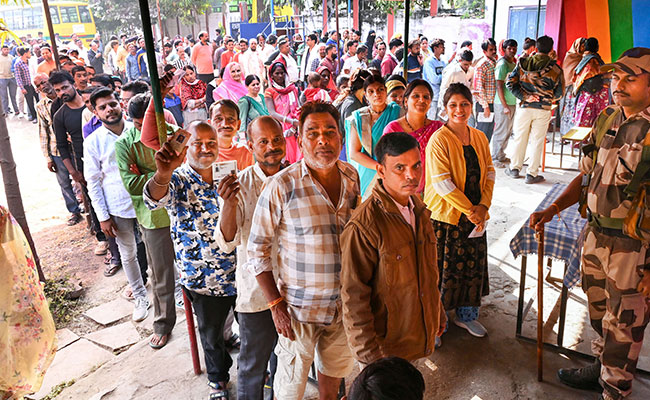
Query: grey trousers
column 126, row 242
column 258, row 338
column 160, row 257
column 502, row 131
column 10, row 85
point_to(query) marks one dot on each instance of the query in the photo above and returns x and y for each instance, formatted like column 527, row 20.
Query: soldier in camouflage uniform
column 615, row 267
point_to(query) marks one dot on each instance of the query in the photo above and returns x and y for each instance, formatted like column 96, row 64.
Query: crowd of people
column 354, row 224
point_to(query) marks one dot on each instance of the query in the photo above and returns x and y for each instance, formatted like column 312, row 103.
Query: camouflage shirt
column 539, row 76
column 618, row 156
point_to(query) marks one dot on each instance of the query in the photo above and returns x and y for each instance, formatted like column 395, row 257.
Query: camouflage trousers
column 611, row 271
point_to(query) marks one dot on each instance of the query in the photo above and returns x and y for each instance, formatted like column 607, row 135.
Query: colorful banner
column 617, row 24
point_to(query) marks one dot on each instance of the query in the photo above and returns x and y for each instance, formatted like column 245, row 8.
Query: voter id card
column 179, row 140
column 222, row 169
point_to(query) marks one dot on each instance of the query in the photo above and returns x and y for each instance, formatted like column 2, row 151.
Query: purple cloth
column 91, row 126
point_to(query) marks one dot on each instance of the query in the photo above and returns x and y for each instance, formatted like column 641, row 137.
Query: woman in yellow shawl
column 27, row 332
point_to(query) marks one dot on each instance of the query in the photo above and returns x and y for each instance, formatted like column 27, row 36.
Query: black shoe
column 585, row 378
column 534, row 179
column 513, row 173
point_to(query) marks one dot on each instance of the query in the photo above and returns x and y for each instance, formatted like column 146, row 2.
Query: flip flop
column 221, row 393
column 111, row 269
column 162, row 343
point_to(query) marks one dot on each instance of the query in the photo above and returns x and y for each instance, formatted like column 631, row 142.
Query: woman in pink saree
column 417, row 100
column 282, row 102
column 231, row 87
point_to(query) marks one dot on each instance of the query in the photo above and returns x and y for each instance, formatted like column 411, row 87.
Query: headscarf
column 572, row 59
column 285, row 97
column 191, row 90
column 589, row 67
column 331, row 86
column 229, row 88
column 394, row 84
column 370, row 40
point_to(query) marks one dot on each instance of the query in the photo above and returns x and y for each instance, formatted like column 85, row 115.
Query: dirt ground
column 496, row 367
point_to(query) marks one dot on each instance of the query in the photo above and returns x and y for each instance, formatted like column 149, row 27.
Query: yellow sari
column 27, row 332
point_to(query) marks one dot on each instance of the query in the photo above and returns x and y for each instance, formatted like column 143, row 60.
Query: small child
column 314, row 91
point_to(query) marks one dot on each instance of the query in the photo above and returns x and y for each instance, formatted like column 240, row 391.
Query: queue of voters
column 350, row 226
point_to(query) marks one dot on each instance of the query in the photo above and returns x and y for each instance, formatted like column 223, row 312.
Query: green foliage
column 118, row 16
column 62, row 308
column 5, row 32
column 468, row 8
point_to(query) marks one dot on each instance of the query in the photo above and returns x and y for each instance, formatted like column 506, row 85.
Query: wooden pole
column 407, row 16
column 194, row 348
column 540, row 304
column 50, row 29
column 12, row 190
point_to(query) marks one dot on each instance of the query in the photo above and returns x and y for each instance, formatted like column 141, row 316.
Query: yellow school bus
column 68, row 17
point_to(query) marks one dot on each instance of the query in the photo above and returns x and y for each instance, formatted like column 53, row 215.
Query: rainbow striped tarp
column 617, row 24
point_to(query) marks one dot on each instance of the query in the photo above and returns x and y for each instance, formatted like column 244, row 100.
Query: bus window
column 38, row 18
column 85, row 15
column 54, row 12
column 17, row 19
column 69, row 14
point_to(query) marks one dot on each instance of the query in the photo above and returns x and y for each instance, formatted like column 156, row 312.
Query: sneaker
column 513, row 173
column 438, row 342
column 585, row 378
column 101, row 248
column 141, row 309
column 534, row 179
column 473, row 327
column 74, row 219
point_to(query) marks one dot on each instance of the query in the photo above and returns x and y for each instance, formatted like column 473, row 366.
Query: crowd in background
column 315, row 126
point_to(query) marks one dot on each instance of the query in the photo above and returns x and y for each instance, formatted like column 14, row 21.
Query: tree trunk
column 178, row 26
column 12, row 189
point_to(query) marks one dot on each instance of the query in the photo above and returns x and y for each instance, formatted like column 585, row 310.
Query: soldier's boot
column 585, row 378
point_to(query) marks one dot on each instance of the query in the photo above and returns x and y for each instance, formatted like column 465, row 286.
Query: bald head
column 266, row 141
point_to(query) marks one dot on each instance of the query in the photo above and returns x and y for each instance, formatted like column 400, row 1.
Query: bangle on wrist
column 155, row 182
column 275, row 302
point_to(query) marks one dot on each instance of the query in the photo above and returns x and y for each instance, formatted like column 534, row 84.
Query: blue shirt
column 433, row 74
column 414, row 68
column 193, row 207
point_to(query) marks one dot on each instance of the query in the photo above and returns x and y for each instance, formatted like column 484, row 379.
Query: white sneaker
column 473, row 327
column 141, row 309
column 438, row 342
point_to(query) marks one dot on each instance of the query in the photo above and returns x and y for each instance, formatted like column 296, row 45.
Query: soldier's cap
column 634, row 61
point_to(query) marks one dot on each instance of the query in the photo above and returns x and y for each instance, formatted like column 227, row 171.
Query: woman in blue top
column 365, row 127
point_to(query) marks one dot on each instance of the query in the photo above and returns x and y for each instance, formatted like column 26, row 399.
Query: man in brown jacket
column 389, row 278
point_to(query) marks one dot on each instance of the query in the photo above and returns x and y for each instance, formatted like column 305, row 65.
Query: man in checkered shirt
column 305, row 207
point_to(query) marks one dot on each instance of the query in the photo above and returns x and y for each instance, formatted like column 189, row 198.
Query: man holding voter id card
column 193, row 199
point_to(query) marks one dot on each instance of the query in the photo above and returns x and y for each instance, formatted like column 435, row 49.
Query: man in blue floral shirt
column 207, row 273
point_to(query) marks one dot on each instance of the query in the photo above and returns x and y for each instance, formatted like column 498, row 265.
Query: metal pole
column 540, row 304
column 50, row 29
column 338, row 39
column 273, row 17
column 539, row 12
column 407, row 15
column 494, row 18
column 153, row 70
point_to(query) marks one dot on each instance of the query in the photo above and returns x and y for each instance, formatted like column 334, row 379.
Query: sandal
column 108, row 258
column 161, row 343
column 112, row 269
column 233, row 343
column 220, row 393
